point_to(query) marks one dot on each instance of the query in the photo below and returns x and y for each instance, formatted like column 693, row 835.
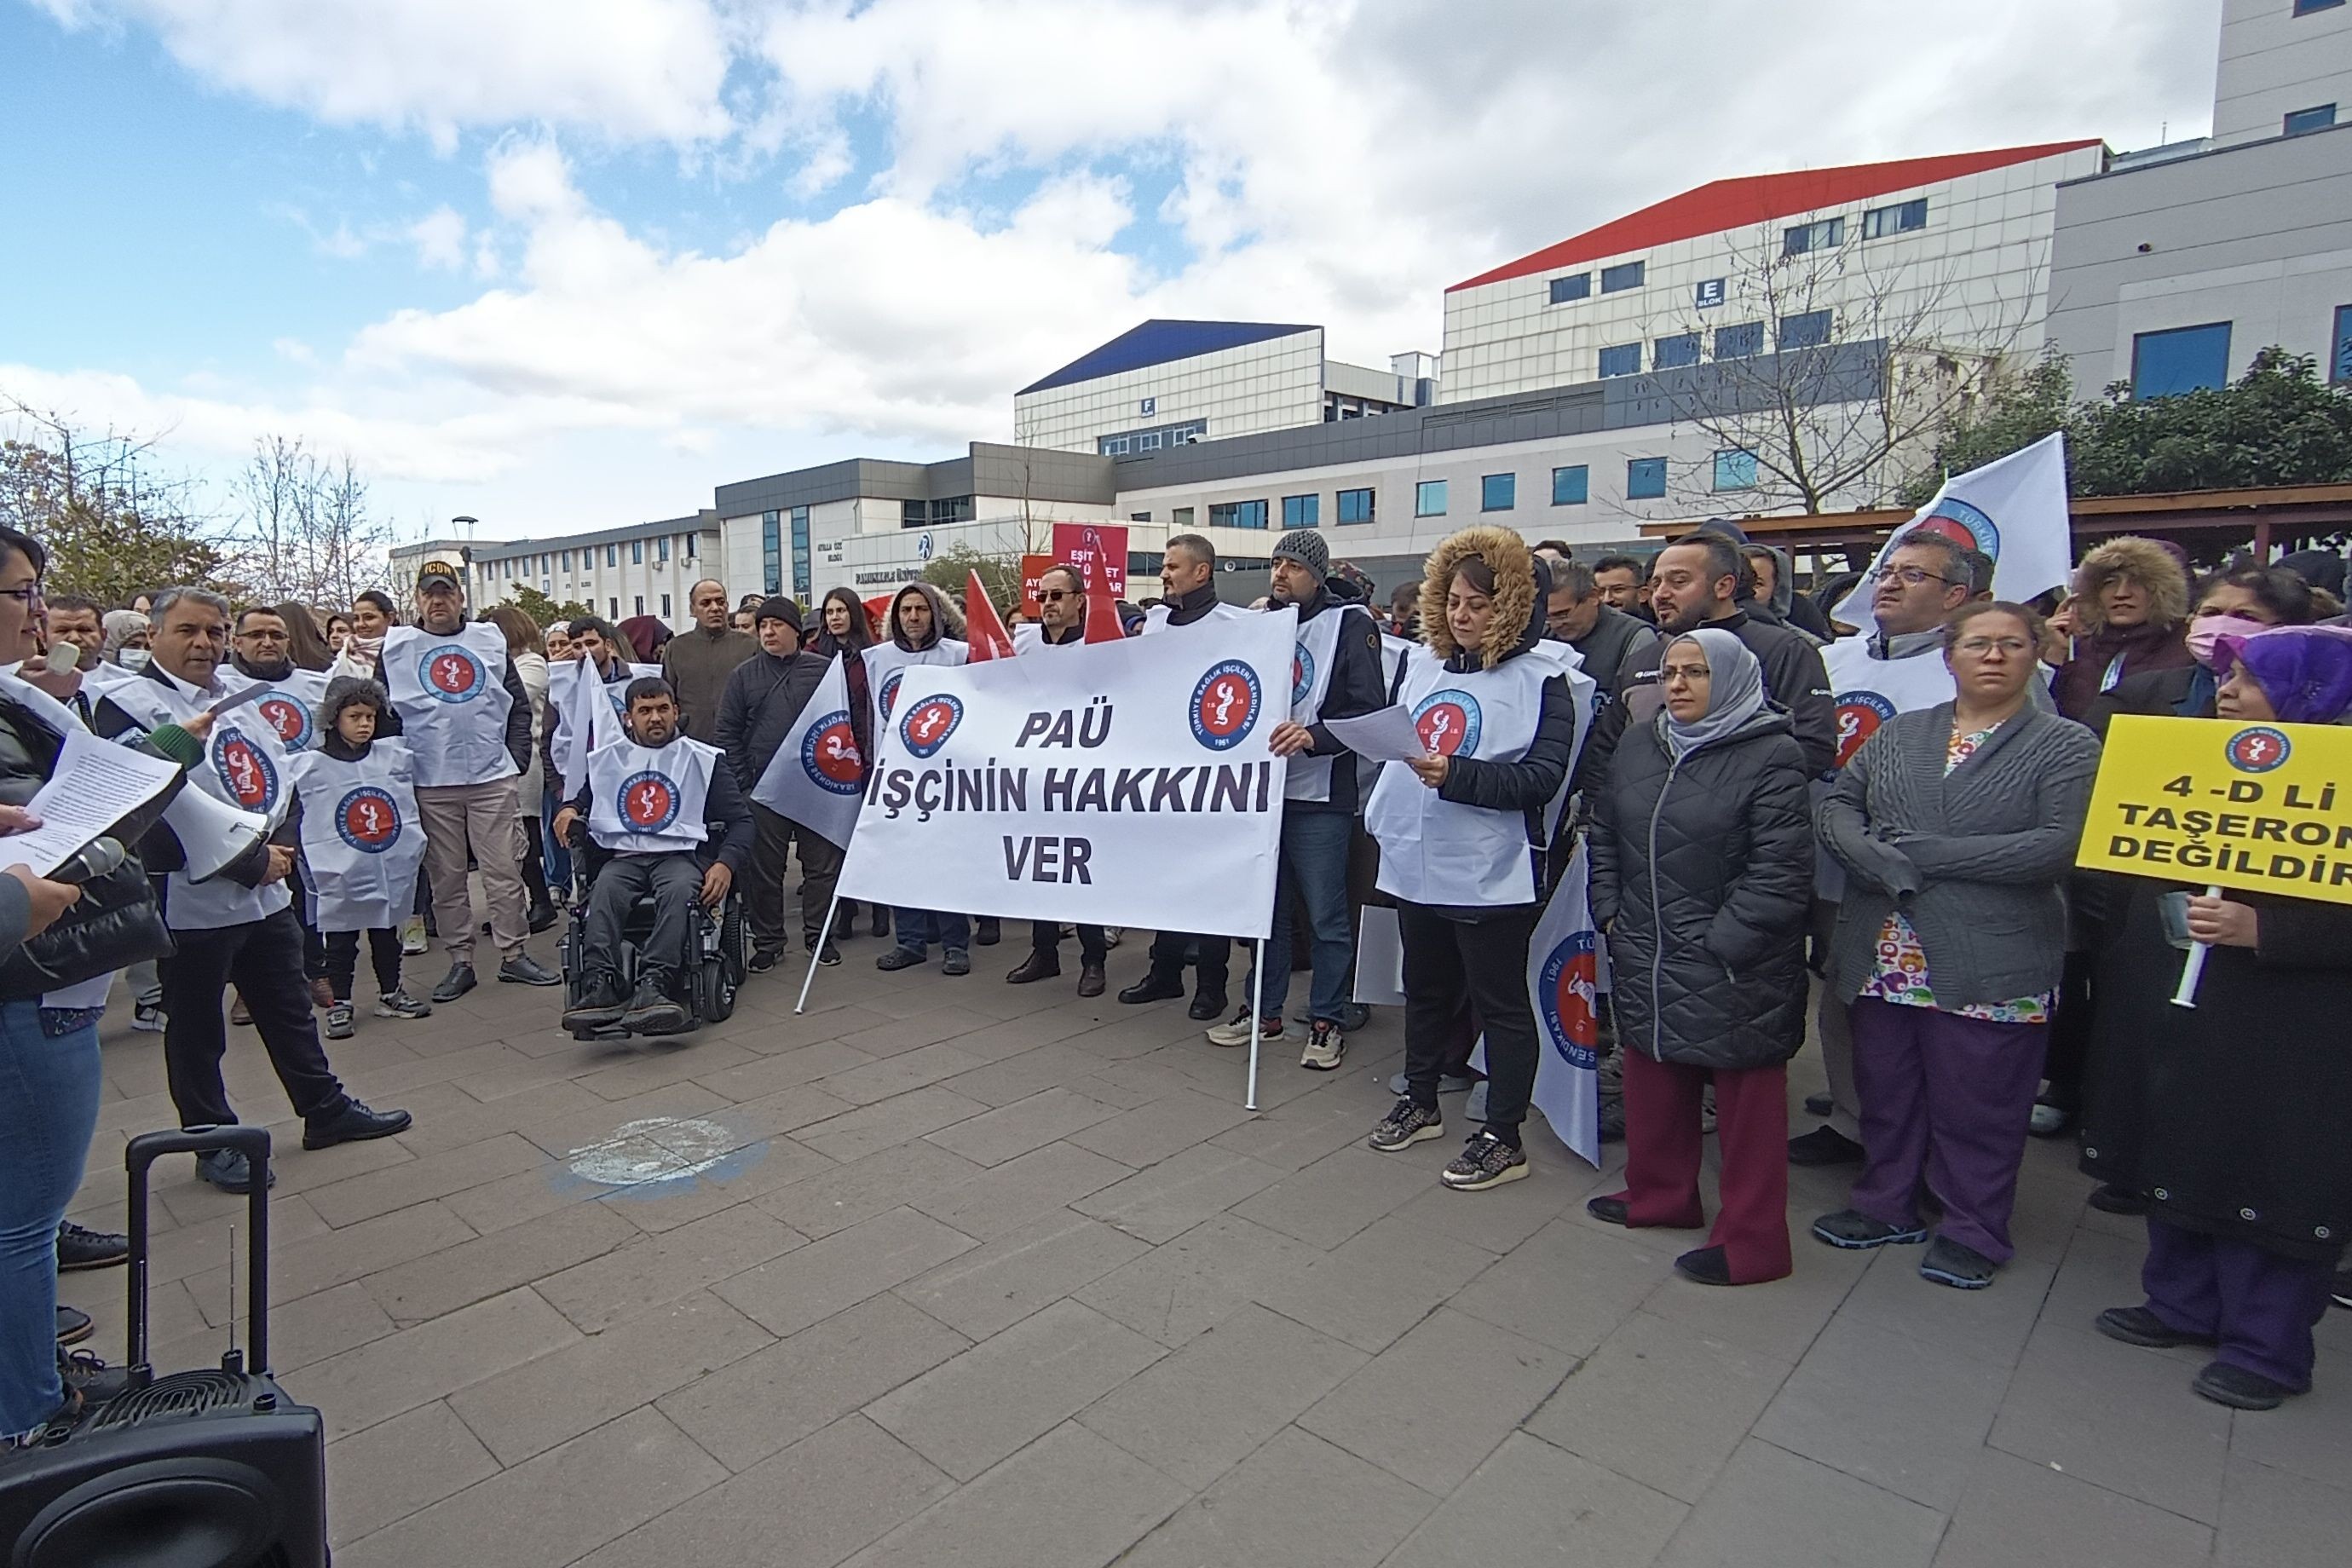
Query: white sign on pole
column 813, row 779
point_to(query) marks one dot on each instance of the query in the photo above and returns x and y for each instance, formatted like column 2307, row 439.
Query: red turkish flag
column 1102, row 611
column 982, row 627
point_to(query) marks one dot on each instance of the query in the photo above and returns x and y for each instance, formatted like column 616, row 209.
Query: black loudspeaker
column 196, row 1469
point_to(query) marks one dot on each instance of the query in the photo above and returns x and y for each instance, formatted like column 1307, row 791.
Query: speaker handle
column 143, row 1152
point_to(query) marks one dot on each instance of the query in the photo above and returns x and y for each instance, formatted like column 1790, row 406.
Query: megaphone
column 212, row 834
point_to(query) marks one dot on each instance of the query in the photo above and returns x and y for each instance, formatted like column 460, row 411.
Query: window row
column 1613, row 281
column 2189, row 359
column 1132, row 441
column 1877, row 223
column 1742, row 340
column 512, row 566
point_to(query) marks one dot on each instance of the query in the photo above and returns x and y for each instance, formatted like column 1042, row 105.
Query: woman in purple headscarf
column 2230, row 1116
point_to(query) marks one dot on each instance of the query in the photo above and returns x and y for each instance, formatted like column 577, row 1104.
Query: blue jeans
column 1313, row 866
column 918, row 929
column 48, row 1111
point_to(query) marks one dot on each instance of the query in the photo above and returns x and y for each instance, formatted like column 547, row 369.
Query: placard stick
column 1257, row 999
column 2192, row 968
column 823, row 937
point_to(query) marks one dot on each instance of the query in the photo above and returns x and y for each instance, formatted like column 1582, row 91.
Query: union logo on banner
column 290, row 717
column 1966, row 526
column 1225, row 705
column 367, row 820
column 1302, row 674
column 1859, row 715
column 1448, row 721
column 929, row 723
column 245, row 769
column 451, row 673
column 2258, row 750
column 889, row 697
column 648, row 801
column 1571, row 975
column 829, row 755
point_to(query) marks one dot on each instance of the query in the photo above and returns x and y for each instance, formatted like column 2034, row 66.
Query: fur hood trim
column 1507, row 556
column 946, row 619
column 2142, row 560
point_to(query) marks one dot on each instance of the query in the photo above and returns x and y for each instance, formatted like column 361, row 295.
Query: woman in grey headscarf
column 1702, row 875
column 126, row 632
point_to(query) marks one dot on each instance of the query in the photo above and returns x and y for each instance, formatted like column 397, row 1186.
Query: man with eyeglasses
column 1061, row 622
column 288, row 698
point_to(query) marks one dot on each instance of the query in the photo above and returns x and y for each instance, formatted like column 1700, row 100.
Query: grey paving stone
column 650, row 1064
column 1530, row 1502
column 1168, row 1125
column 779, row 1395
column 336, row 1258
column 765, row 1167
column 2016, row 1512
column 1369, row 1290
column 995, row 1286
column 1014, row 1129
column 1987, row 1325
column 391, row 1469
column 1184, row 1287
column 300, row 1333
column 900, row 1074
column 1180, row 1192
column 591, row 1124
column 888, row 1122
column 398, row 1186
column 553, row 1510
column 417, row 1366
column 1770, row 1508
column 1067, row 1501
column 2276, row 1519
column 1200, row 1412
column 1337, row 1196
column 773, row 1074
column 1781, row 1319
column 1435, row 1403
column 1016, row 1078
column 1502, row 1217
column 1010, row 1195
column 891, row 1178
column 643, row 1274
column 1299, row 1501
column 2072, row 1393
column 2310, row 1436
column 1296, row 1135
column 1660, row 1403
column 971, row 1411
column 794, row 1291
column 474, row 1270
column 1568, row 1286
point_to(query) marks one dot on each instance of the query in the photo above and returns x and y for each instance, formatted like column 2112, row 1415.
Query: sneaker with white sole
column 148, row 1018
column 1327, row 1047
column 399, row 1003
column 412, row 936
column 339, row 1021
column 1405, row 1125
column 1484, row 1162
column 1235, row 1031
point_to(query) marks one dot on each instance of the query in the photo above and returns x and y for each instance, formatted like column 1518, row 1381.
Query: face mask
column 2205, row 629
column 134, row 658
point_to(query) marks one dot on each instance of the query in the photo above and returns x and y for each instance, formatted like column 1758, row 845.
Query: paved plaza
column 948, row 1272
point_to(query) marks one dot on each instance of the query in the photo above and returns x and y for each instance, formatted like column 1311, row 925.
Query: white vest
column 1155, row 619
column 450, row 692
column 245, row 767
column 589, row 711
column 1437, row 851
column 1309, row 778
column 291, row 706
column 363, row 839
column 648, row 800
column 887, row 662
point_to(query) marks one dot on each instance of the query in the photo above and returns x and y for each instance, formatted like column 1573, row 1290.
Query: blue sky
column 566, row 263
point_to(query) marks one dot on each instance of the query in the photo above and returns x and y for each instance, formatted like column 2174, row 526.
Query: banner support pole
column 1257, row 1024
column 2192, row 968
column 823, row 937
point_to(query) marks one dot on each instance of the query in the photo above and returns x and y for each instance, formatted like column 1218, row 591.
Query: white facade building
column 2282, row 70
column 644, row 569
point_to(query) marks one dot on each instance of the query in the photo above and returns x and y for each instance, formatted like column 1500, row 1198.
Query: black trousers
column 263, row 959
column 1215, row 957
column 314, row 946
column 673, row 880
column 534, row 861
column 773, row 836
column 1046, row 936
column 1483, row 965
column 344, row 960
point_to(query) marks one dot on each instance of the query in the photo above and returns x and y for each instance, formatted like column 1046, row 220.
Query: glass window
column 665, row 609
column 637, row 558
column 1180, row 518
column 1809, row 331
column 1301, row 512
column 1735, row 471
column 2305, row 7
column 612, row 555
column 2318, row 118
column 1900, row 218
column 1646, row 479
column 1570, row 486
column 567, row 560
column 1624, row 275
column 689, row 546
column 611, row 609
column 1823, row 235
column 801, row 580
column 1237, row 514
column 2339, row 361
column 1429, row 498
column 2182, row 360
column 771, row 553
column 1744, row 341
column 1356, row 506
column 1498, row 492
column 1576, row 287
column 913, row 514
column 1679, row 349
column 661, row 552
column 641, row 605
column 1625, row 359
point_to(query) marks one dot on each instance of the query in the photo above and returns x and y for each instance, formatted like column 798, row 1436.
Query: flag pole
column 2192, row 968
column 1257, row 1024
column 823, row 937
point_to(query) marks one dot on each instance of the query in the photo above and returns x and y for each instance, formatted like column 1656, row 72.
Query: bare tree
column 114, row 523
column 307, row 533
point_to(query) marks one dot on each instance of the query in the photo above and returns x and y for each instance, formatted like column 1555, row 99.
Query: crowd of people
column 1763, row 864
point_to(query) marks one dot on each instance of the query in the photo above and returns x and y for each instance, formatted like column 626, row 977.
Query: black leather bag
column 116, row 923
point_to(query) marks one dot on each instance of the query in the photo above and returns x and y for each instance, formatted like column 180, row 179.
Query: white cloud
column 440, row 238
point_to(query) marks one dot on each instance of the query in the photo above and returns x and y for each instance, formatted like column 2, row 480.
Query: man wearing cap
column 467, row 719
column 1061, row 622
column 1335, row 674
column 757, row 712
column 698, row 661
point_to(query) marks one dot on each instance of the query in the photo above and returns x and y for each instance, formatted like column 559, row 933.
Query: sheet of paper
column 238, row 698
column 1385, row 735
column 97, row 783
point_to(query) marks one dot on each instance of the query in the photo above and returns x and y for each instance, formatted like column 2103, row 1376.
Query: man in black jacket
column 1603, row 638
column 1061, row 622
column 762, row 699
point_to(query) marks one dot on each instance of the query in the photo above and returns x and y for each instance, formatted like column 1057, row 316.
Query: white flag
column 1563, row 974
column 2013, row 509
column 816, row 777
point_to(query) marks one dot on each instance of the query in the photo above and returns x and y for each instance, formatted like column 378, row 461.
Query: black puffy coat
column 1702, row 877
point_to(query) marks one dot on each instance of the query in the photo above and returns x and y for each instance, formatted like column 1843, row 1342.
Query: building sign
column 886, row 574
column 1094, row 547
column 923, row 547
column 1708, row 293
column 1150, row 407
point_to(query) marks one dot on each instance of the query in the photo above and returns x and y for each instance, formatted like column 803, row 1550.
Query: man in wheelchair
column 651, row 799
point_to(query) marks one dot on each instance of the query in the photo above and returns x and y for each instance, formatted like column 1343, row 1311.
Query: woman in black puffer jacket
column 1702, row 870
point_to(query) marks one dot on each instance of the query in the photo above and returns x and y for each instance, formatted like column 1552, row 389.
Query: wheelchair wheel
column 718, row 992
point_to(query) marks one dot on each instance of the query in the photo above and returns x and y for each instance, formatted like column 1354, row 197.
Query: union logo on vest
column 367, row 820
column 1302, row 675
column 290, row 717
column 1225, row 704
column 929, row 723
column 890, row 698
column 244, row 771
column 2258, row 750
column 829, row 755
column 1571, row 975
column 451, row 673
column 1448, row 721
column 1859, row 715
column 648, row 801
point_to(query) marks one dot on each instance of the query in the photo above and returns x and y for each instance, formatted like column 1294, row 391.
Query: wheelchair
column 708, row 977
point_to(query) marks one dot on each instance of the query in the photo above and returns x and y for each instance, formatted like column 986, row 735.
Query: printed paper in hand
column 1384, row 735
column 96, row 785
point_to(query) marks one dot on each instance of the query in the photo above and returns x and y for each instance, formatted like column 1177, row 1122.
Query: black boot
column 651, row 1011
column 601, row 1002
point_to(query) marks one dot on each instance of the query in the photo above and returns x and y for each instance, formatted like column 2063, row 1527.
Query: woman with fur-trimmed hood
column 1462, row 832
column 2131, row 603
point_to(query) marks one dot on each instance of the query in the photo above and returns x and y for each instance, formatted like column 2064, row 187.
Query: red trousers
column 1662, row 1146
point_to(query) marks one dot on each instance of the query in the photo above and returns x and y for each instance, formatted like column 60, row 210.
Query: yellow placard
column 2267, row 807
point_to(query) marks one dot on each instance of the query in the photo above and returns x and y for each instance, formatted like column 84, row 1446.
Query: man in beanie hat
column 1335, row 674
column 757, row 713
column 698, row 661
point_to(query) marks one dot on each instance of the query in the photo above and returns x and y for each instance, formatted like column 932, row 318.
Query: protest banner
column 1563, row 983
column 813, row 779
column 1095, row 548
column 1032, row 567
column 2012, row 509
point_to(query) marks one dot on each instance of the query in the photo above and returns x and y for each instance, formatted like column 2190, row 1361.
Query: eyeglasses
column 2013, row 646
column 30, row 593
column 1909, row 576
column 1056, row 595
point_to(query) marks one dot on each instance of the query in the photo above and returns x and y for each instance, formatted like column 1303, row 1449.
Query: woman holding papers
column 2231, row 1115
column 1462, row 831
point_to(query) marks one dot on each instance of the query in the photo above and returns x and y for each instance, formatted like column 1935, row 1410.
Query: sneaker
column 238, row 1013
column 651, row 1011
column 354, row 1123
column 987, row 931
column 1235, row 1031
column 2139, row 1326
column 95, row 1382
column 1484, row 1162
column 1612, row 1119
column 81, row 1248
column 2239, row 1388
column 412, row 936
column 1824, row 1146
column 229, row 1171
column 1855, row 1231
column 1956, row 1264
column 1447, row 1083
column 521, row 969
column 148, row 1018
column 1405, row 1125
column 399, row 1003
column 763, row 959
column 898, row 958
column 1355, row 1017
column 456, row 983
column 339, row 1021
column 1327, row 1047
column 828, row 955
column 2047, row 1121
column 74, row 1325
column 955, row 961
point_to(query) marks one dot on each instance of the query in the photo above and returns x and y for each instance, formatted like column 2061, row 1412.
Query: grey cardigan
column 1975, row 859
